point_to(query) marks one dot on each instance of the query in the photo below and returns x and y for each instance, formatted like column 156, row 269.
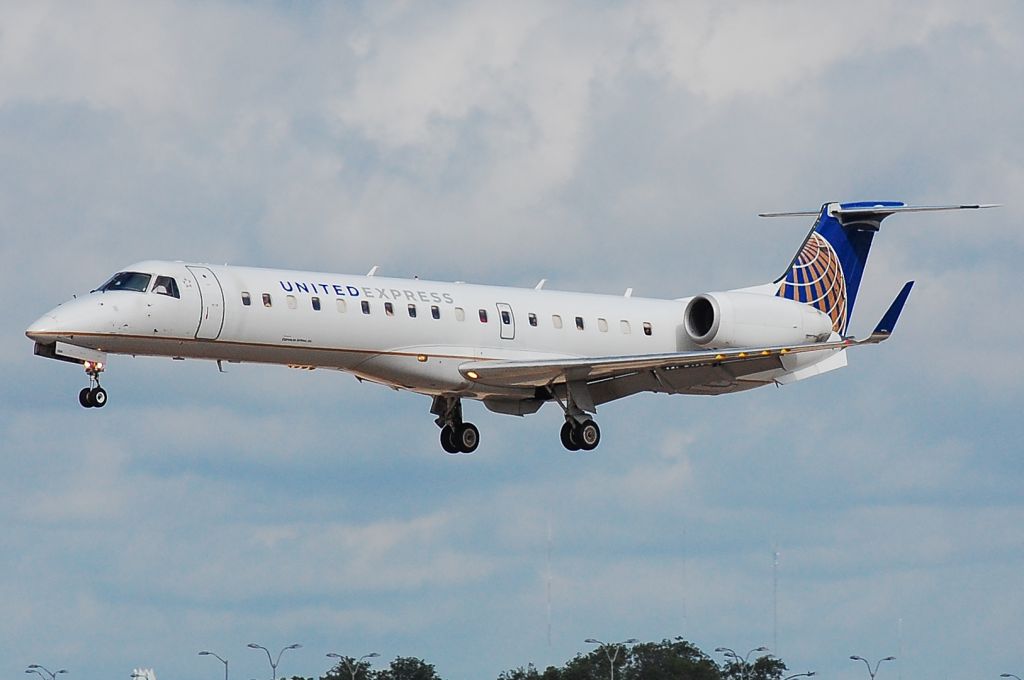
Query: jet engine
column 722, row 320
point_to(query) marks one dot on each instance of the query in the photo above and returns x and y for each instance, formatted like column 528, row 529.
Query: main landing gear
column 576, row 436
column 579, row 432
column 94, row 395
column 456, row 436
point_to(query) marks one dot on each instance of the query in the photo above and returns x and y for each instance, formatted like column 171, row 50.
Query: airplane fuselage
column 408, row 333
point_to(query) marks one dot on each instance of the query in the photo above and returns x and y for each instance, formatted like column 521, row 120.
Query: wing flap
column 736, row 362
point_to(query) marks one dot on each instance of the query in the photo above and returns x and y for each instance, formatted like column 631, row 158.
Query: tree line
column 674, row 659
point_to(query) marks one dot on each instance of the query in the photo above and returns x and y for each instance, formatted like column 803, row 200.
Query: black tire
column 85, row 398
column 98, row 397
column 448, row 440
column 588, row 434
column 568, row 437
column 467, row 437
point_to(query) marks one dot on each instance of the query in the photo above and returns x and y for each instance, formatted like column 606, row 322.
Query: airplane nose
column 47, row 323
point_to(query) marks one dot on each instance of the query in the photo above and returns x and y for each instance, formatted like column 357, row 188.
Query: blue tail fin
column 827, row 270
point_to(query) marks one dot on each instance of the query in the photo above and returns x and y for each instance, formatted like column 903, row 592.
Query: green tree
column 674, row 659
column 531, row 673
column 344, row 668
column 406, row 668
column 762, row 668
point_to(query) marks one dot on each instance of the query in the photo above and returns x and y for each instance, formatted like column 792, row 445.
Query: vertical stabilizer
column 827, row 270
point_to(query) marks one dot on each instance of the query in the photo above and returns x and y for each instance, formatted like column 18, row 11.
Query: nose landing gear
column 94, row 395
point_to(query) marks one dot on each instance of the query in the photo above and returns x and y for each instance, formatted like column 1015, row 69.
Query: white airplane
column 513, row 349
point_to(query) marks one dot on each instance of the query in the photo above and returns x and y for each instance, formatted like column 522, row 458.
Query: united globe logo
column 816, row 278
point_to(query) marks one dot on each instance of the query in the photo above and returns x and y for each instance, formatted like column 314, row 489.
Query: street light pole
column 39, row 670
column 1009, row 675
column 742, row 661
column 606, row 647
column 353, row 669
column 874, row 672
column 223, row 661
column 273, row 664
column 808, row 674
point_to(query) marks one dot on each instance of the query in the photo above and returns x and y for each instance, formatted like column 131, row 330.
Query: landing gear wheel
column 569, row 438
column 588, row 434
column 98, row 397
column 85, row 398
column 448, row 442
column 467, row 437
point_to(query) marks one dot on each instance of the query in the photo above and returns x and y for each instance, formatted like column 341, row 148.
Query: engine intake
column 724, row 320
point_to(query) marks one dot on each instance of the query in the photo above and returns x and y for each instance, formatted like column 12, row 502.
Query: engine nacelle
column 720, row 320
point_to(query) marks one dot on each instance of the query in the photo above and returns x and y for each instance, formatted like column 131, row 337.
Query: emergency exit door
column 506, row 321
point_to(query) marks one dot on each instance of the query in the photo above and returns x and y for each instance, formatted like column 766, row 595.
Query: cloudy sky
column 600, row 145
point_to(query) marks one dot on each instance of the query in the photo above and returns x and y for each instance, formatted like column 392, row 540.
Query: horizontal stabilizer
column 881, row 209
column 888, row 323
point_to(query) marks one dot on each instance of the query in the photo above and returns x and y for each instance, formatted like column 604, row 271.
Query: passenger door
column 211, row 320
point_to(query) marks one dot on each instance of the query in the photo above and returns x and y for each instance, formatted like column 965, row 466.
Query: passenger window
column 460, row 314
column 291, row 301
column 366, row 306
column 647, row 328
column 316, row 303
column 624, row 327
column 533, row 319
column 483, row 316
column 266, row 299
column 579, row 323
column 412, row 311
column 389, row 309
column 556, row 321
column 602, row 325
column 342, row 305
column 435, row 311
column 165, row 285
column 246, row 300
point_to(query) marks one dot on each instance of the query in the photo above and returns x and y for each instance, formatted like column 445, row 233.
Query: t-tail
column 826, row 271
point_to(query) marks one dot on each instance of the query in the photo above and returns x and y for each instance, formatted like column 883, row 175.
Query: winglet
column 885, row 327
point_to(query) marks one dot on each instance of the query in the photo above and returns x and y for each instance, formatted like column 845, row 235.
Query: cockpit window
column 165, row 285
column 127, row 281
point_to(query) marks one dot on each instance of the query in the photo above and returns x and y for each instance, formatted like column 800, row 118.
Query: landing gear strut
column 94, row 395
column 456, row 436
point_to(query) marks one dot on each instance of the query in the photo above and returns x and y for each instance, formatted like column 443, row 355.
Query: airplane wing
column 738, row 362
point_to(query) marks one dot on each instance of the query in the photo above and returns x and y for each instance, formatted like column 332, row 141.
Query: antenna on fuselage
column 629, row 293
column 373, row 270
column 540, row 284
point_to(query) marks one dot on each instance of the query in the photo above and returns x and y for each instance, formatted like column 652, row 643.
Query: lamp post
column 39, row 670
column 353, row 668
column 742, row 661
column 223, row 661
column 1009, row 675
column 273, row 663
column 808, row 674
column 874, row 672
column 618, row 646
